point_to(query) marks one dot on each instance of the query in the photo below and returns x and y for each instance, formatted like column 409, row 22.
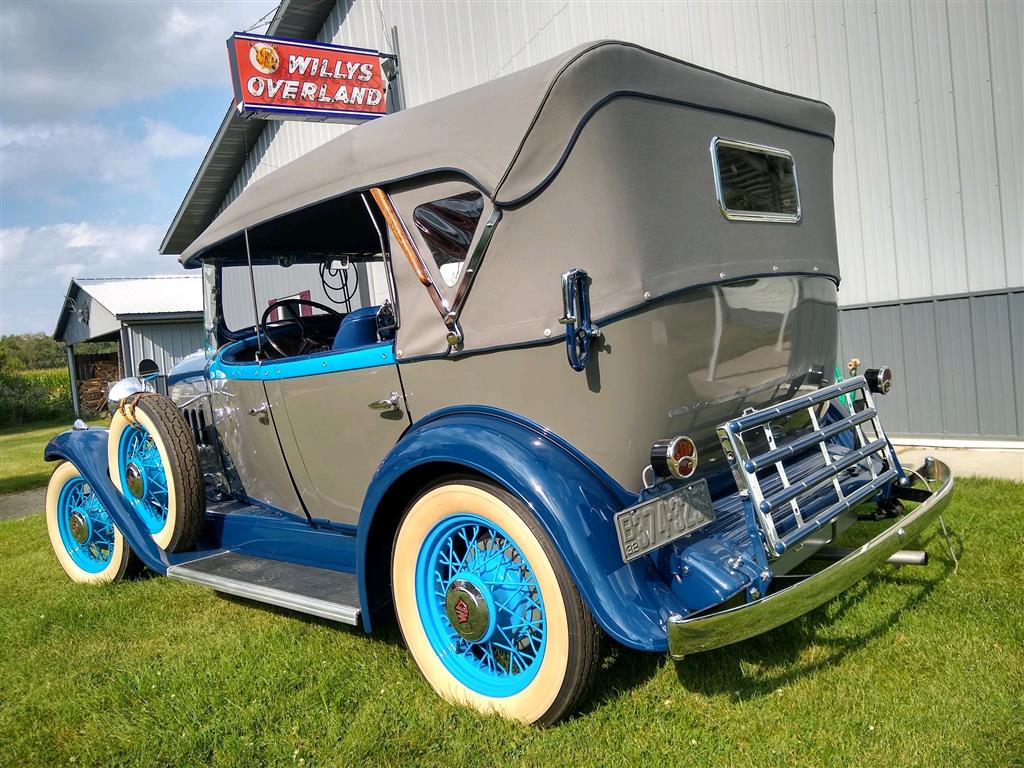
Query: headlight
column 188, row 389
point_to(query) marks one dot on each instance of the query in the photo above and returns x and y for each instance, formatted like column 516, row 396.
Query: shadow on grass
column 387, row 633
column 722, row 670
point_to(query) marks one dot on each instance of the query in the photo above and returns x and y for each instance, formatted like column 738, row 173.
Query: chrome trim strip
column 345, row 614
column 734, row 215
column 704, row 633
column 475, row 259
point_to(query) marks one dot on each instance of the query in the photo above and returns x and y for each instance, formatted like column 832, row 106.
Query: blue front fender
column 572, row 498
column 87, row 450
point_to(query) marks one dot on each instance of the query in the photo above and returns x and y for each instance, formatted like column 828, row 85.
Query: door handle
column 259, row 411
column 385, row 405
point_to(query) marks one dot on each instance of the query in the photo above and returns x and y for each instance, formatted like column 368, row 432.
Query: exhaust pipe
column 901, row 557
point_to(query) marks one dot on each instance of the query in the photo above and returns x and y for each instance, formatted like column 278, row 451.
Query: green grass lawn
column 914, row 666
column 21, row 454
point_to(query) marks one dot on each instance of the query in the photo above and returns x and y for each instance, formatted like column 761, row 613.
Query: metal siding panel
column 918, row 372
column 855, row 337
column 774, row 46
column 1015, row 310
column 833, row 66
column 959, row 387
column 910, row 228
column 939, row 150
column 993, row 362
column 887, row 349
column 972, row 99
column 723, row 43
column 699, row 27
column 800, row 15
column 869, row 123
column 1006, row 40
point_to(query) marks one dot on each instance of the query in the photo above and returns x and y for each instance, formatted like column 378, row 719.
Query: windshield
column 334, row 283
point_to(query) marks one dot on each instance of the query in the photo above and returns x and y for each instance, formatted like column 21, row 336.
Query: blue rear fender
column 572, row 498
column 87, row 450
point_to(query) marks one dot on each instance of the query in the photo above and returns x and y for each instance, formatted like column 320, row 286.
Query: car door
column 338, row 414
column 256, row 466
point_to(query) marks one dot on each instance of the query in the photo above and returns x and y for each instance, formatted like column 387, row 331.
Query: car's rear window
column 755, row 183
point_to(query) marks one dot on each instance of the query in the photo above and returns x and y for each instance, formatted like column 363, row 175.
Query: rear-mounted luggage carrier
column 784, row 510
column 782, row 514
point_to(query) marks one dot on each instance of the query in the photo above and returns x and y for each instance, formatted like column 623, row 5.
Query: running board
column 332, row 595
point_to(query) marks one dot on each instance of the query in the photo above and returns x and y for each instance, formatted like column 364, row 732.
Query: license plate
column 658, row 521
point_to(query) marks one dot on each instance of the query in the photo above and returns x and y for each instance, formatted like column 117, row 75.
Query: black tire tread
column 183, row 463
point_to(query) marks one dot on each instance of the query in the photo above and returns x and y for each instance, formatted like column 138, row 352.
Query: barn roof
column 301, row 19
column 128, row 298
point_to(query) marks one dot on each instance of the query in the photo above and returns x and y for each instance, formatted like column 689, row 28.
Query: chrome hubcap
column 467, row 610
column 133, row 476
column 79, row 526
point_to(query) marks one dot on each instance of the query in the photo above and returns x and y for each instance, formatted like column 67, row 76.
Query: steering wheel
column 310, row 336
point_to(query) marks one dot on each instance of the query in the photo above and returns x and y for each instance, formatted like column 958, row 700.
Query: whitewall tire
column 88, row 546
column 486, row 606
column 154, row 461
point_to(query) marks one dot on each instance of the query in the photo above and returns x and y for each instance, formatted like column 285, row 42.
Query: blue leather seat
column 358, row 328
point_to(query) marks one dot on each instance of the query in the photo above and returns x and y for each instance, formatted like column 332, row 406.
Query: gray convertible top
column 510, row 136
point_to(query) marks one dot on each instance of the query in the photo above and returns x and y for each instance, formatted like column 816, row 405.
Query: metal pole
column 255, row 309
column 399, row 80
column 74, row 380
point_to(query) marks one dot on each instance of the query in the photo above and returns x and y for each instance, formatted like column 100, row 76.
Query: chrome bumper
column 703, row 633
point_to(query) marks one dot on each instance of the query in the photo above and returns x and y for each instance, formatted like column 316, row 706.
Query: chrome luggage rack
column 864, row 453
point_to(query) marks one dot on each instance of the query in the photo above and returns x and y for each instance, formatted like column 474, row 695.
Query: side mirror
column 148, row 369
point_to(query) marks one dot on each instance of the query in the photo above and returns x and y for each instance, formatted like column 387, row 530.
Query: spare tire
column 154, row 461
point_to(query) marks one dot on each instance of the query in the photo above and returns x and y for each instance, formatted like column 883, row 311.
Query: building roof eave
column 230, row 147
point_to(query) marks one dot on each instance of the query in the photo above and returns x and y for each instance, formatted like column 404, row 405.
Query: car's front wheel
column 88, row 546
column 486, row 606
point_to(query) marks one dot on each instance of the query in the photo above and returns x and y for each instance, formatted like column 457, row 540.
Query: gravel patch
column 23, row 504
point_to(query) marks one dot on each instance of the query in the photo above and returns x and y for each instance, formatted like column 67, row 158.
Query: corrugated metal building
column 160, row 318
column 929, row 100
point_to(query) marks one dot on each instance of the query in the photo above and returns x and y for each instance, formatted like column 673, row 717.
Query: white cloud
column 45, row 160
column 37, row 263
column 69, row 58
column 33, row 256
column 168, row 141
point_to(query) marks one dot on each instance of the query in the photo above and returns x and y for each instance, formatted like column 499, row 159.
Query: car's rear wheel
column 486, row 606
column 88, row 546
column 154, row 461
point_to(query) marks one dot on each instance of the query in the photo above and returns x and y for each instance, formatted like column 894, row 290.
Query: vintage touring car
column 546, row 360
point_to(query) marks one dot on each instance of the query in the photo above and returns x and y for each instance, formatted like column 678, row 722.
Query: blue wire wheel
column 486, row 606
column 87, row 544
column 142, row 476
column 481, row 605
column 154, row 461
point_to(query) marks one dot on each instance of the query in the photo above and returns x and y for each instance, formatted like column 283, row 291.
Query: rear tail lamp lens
column 674, row 457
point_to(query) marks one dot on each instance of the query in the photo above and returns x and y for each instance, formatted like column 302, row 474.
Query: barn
column 928, row 189
column 159, row 317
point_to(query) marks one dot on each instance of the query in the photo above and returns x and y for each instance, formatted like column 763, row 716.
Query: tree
column 31, row 351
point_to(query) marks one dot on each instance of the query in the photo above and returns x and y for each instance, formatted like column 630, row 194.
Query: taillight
column 674, row 457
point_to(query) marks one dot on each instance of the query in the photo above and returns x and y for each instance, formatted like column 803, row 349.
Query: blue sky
column 106, row 110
